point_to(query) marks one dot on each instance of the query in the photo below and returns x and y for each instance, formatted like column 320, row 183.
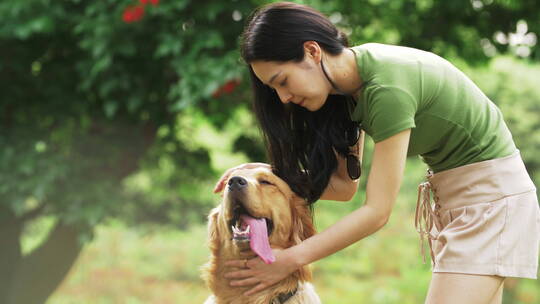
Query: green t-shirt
column 452, row 122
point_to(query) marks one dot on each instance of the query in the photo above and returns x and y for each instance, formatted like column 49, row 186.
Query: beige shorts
column 484, row 220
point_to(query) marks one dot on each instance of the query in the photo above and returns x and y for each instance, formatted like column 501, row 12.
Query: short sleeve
column 390, row 110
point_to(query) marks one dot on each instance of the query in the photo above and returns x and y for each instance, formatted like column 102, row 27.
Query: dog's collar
column 283, row 297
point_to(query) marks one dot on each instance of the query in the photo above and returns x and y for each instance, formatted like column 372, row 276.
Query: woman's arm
column 341, row 187
column 383, row 186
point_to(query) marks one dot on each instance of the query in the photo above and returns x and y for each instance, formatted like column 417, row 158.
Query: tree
column 92, row 88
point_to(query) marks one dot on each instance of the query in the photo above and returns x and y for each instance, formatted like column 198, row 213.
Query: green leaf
column 110, row 108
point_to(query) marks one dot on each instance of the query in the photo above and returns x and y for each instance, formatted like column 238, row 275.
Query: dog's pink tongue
column 258, row 238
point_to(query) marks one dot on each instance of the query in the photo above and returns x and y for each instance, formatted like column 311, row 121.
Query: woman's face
column 301, row 83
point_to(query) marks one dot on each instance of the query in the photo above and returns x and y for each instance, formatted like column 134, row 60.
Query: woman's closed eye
column 283, row 83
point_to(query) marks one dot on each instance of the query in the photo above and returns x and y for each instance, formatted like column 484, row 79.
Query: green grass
column 127, row 266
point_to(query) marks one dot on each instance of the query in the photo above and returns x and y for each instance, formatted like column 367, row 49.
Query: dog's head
column 257, row 202
column 259, row 212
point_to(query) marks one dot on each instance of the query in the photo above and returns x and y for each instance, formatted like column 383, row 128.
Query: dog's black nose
column 237, row 182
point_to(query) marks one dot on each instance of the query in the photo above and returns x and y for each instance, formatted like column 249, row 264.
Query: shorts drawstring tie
column 426, row 216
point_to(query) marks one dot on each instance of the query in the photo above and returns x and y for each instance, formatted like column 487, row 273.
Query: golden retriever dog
column 258, row 213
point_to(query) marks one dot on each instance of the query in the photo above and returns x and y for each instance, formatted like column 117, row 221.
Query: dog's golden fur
column 292, row 223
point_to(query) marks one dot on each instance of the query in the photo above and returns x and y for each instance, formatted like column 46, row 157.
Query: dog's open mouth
column 253, row 231
column 240, row 223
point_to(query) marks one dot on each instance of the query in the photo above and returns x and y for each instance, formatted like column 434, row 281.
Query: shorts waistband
column 479, row 182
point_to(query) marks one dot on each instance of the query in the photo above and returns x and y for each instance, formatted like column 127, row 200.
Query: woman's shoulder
column 388, row 53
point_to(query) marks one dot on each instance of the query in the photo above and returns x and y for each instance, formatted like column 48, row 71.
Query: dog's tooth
column 247, row 230
column 234, row 229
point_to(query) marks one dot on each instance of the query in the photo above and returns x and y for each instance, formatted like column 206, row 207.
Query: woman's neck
column 343, row 71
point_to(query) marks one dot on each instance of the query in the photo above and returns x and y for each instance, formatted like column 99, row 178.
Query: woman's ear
column 313, row 50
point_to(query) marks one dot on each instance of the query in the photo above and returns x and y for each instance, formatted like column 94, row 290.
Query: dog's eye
column 264, row 182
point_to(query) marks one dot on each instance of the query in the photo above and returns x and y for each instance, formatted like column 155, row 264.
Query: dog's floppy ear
column 208, row 270
column 213, row 233
column 303, row 227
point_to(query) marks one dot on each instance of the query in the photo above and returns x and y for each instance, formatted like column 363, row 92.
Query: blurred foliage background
column 117, row 117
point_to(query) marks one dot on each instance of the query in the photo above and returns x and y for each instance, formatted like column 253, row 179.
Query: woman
column 310, row 88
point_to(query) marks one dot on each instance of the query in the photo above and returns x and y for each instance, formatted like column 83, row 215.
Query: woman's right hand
column 221, row 183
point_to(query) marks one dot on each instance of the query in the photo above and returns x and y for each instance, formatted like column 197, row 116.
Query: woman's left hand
column 262, row 275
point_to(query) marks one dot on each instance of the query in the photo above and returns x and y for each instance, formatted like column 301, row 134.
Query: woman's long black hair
column 299, row 142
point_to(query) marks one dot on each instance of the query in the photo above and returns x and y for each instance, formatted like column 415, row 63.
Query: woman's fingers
column 241, row 274
column 260, row 165
column 236, row 263
column 221, row 182
column 254, row 290
column 244, row 282
column 256, row 273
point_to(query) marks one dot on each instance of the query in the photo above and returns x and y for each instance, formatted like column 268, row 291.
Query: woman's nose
column 284, row 96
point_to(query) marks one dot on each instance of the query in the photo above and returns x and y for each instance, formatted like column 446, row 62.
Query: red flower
column 229, row 86
column 133, row 14
column 154, row 2
column 143, row 2
column 226, row 88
